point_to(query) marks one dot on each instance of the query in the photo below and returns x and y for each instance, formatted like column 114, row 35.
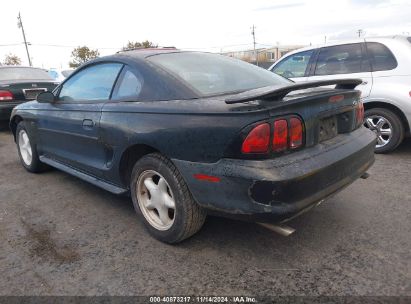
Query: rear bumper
column 278, row 189
column 6, row 108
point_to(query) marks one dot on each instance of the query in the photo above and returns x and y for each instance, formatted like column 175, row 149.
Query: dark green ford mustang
column 187, row 134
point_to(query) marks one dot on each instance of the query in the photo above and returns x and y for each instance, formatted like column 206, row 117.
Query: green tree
column 81, row 55
column 11, row 59
column 139, row 45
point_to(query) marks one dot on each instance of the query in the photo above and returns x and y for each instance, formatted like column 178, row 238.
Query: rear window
column 381, row 57
column 212, row 74
column 23, row 74
column 409, row 39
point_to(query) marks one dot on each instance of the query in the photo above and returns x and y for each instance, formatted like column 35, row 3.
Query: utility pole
column 359, row 32
column 255, row 52
column 20, row 25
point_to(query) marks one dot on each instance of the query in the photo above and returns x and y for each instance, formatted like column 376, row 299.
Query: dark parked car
column 187, row 134
column 19, row 84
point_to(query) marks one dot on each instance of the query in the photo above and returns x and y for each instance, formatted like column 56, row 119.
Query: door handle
column 88, row 124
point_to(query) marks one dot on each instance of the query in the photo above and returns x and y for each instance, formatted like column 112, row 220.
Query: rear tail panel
column 325, row 114
column 25, row 91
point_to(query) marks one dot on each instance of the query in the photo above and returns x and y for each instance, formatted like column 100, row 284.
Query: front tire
column 163, row 201
column 387, row 126
column 27, row 150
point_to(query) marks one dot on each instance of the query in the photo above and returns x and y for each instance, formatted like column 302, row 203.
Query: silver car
column 383, row 64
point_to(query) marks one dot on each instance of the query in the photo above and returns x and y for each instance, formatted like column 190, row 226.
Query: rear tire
column 27, row 150
column 163, row 201
column 387, row 126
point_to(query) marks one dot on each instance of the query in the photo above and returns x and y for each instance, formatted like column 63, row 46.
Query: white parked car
column 384, row 65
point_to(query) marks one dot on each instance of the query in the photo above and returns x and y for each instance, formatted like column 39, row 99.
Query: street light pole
column 20, row 25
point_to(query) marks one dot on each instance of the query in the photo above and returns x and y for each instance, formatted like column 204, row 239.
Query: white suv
column 383, row 64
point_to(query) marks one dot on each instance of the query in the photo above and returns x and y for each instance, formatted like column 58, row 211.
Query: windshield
column 212, row 74
column 23, row 74
column 409, row 39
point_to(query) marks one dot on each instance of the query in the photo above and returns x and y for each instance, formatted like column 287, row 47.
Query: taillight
column 288, row 134
column 258, row 140
column 280, row 138
column 6, row 95
column 336, row 98
column 296, row 133
column 359, row 113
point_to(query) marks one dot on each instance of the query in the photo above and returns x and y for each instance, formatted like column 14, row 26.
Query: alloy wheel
column 381, row 127
column 25, row 147
column 155, row 199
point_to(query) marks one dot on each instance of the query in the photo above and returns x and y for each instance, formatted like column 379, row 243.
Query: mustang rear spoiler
column 277, row 93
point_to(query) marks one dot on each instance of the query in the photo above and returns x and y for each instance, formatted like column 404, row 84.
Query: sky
column 55, row 28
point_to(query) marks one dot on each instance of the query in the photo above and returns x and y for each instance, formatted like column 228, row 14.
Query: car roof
column 146, row 52
column 347, row 41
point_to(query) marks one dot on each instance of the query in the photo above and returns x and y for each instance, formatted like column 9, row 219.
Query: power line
column 214, row 47
column 72, row 46
column 57, row 45
column 254, row 44
column 116, row 48
column 11, row 44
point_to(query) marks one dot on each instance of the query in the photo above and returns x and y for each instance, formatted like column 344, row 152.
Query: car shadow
column 218, row 232
column 4, row 126
column 404, row 147
column 227, row 235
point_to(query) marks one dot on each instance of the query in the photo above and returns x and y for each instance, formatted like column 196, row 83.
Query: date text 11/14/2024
column 202, row 299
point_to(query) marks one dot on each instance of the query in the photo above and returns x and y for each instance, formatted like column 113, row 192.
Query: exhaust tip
column 365, row 175
column 283, row 230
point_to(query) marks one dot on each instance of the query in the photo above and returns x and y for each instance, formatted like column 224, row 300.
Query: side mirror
column 46, row 97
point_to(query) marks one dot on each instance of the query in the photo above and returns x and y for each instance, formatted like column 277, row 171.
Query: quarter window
column 340, row 59
column 294, row 66
column 130, row 85
column 92, row 83
column 381, row 57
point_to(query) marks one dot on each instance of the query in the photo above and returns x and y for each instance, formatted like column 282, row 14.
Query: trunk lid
column 325, row 113
column 28, row 89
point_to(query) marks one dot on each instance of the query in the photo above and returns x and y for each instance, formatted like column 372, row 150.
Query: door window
column 92, row 83
column 294, row 66
column 381, row 57
column 129, row 85
column 340, row 59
